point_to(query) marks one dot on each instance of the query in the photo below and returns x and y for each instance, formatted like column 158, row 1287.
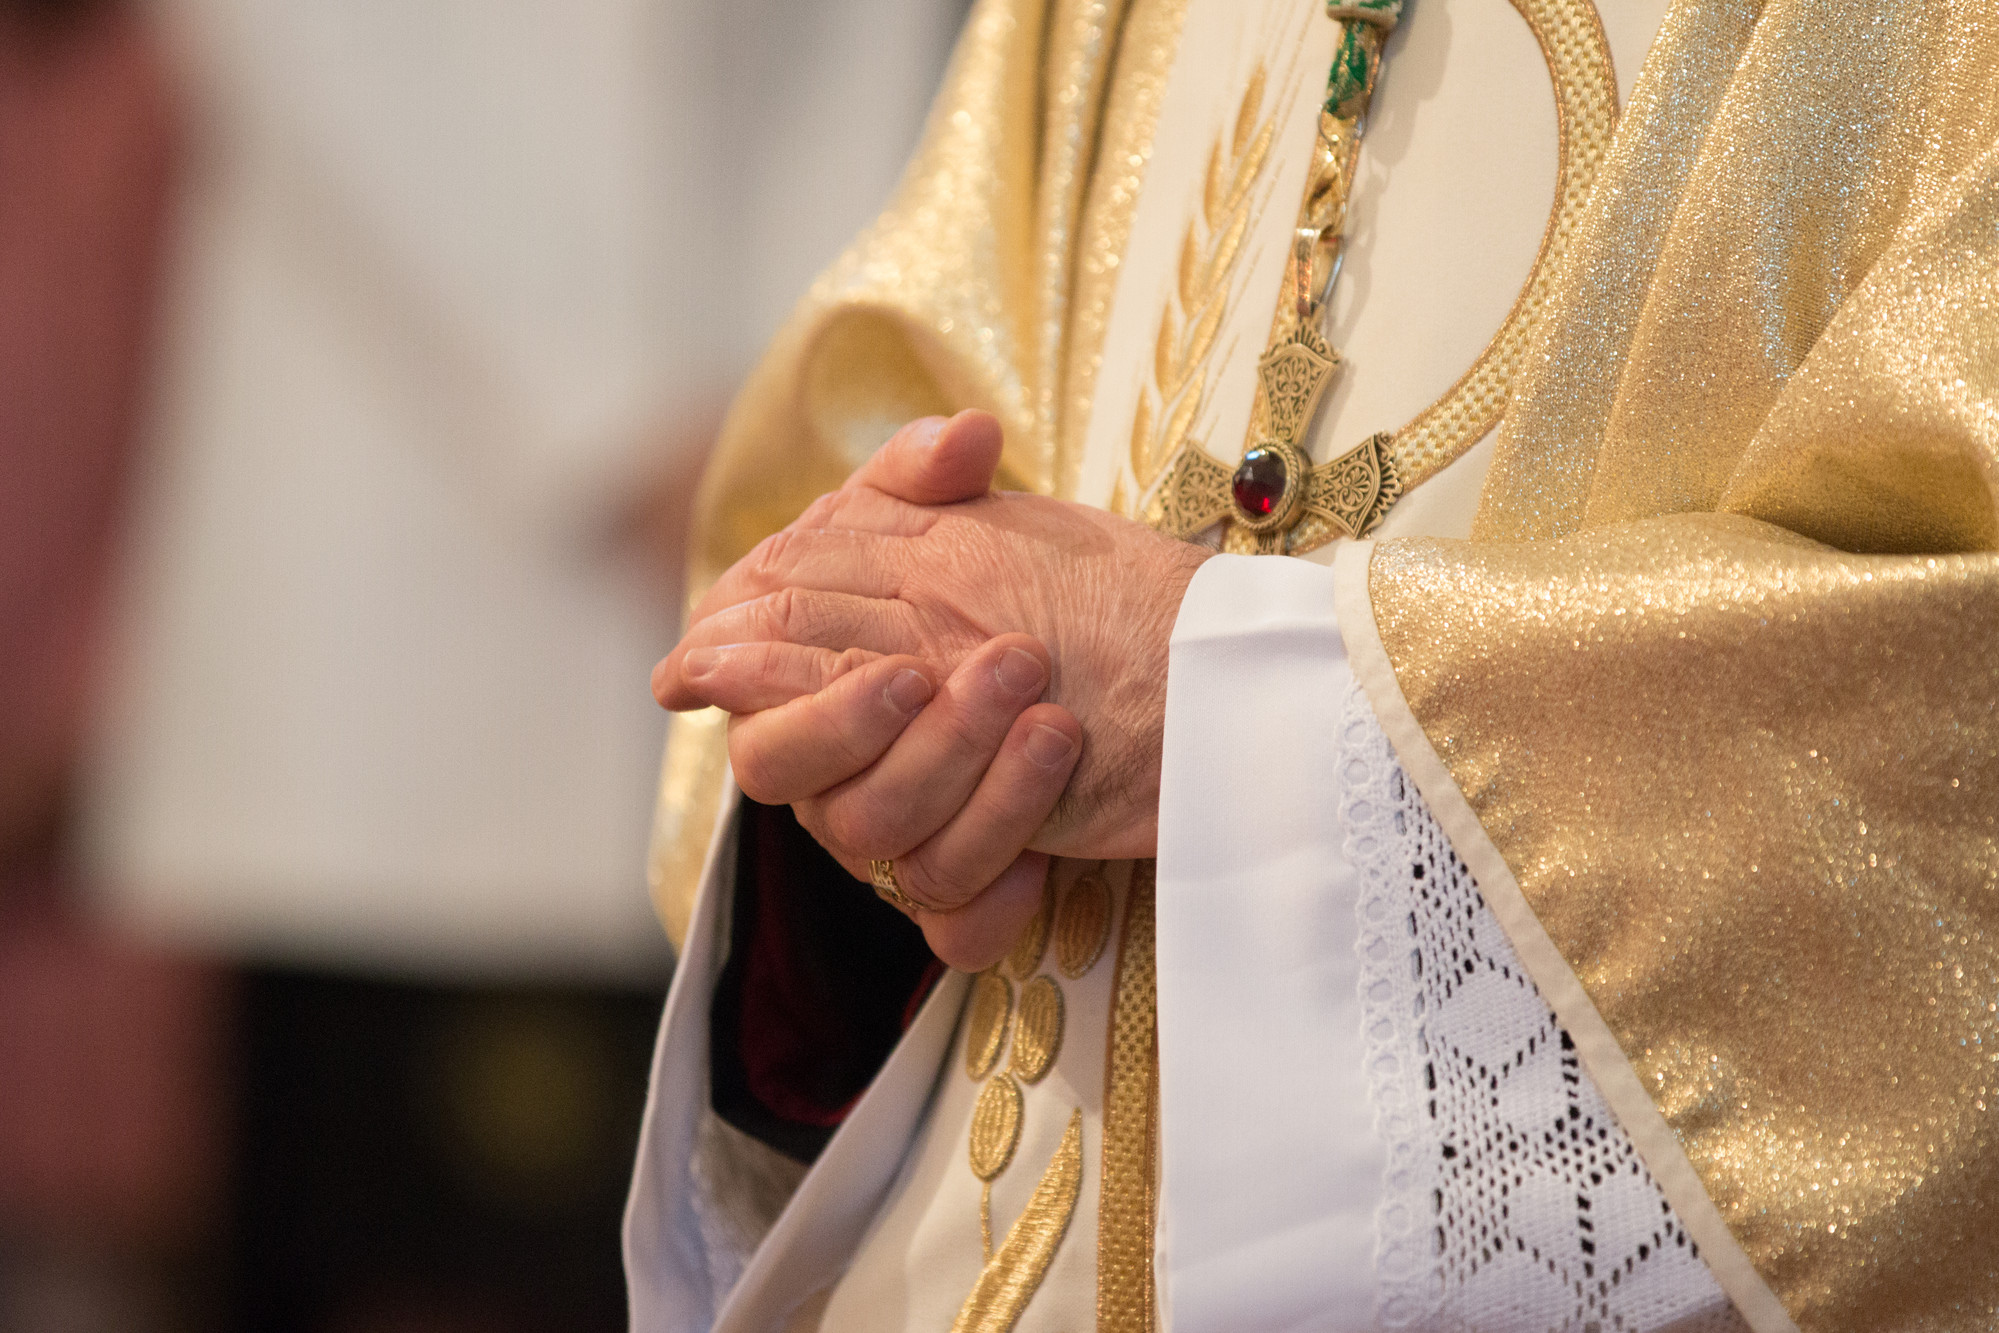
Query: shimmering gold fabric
column 986, row 283
column 1719, row 673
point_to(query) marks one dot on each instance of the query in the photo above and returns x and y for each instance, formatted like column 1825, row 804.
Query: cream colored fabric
column 923, row 1253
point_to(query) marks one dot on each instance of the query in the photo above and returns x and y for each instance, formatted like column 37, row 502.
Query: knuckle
column 861, row 819
column 966, row 728
column 847, row 661
column 942, row 885
column 780, row 610
column 801, row 615
column 767, row 561
column 847, row 827
column 1020, row 797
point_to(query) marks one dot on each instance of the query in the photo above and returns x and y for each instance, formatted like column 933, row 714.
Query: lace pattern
column 1512, row 1199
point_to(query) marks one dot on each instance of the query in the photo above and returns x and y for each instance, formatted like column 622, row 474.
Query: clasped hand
column 965, row 681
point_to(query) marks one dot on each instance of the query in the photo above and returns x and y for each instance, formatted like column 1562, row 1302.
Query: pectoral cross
column 1274, row 500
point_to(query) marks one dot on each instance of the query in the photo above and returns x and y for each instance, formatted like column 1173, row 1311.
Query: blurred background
column 357, row 360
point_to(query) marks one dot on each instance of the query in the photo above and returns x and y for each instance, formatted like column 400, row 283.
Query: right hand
column 952, row 774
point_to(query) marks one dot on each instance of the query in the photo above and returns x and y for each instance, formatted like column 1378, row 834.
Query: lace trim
column 1409, row 1280
column 1507, row 1174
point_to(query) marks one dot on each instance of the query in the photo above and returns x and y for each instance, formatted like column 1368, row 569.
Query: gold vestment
column 1710, row 703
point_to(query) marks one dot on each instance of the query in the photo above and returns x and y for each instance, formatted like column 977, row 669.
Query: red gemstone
column 1258, row 483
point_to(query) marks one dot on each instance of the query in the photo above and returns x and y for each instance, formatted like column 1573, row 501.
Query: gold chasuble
column 1709, row 703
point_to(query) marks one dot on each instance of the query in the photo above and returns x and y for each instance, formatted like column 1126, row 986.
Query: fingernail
column 700, row 661
column 1048, row 747
column 1019, row 672
column 907, row 691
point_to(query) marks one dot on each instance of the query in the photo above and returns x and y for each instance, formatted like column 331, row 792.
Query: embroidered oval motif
column 1084, row 925
column 1037, row 1031
column 985, row 1024
column 1033, row 942
column 995, row 1127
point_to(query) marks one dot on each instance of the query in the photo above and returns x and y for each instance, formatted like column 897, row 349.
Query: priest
column 1428, row 659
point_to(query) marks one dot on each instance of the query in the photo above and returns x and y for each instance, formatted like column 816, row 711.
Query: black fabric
column 821, row 979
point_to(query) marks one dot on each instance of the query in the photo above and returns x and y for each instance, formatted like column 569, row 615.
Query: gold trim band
column 1126, row 1209
column 1570, row 34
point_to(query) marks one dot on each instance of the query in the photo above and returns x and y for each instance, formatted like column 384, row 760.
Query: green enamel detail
column 1350, row 77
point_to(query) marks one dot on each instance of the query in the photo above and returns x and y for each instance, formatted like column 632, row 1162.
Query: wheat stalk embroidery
column 1170, row 405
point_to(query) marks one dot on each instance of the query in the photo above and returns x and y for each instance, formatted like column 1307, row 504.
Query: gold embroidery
column 1570, row 35
column 1359, row 485
column 995, row 1127
column 1126, row 1210
column 985, row 1023
column 1012, row 1276
column 986, row 1221
column 1037, row 1038
column 995, row 1134
column 1083, row 925
column 1198, row 305
column 1033, row 942
column 1037, row 1032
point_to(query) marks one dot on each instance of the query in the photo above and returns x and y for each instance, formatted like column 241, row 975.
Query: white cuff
column 1270, row 1167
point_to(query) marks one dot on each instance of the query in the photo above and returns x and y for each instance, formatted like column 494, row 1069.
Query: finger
column 981, row 932
column 800, row 749
column 750, row 677
column 934, row 461
column 804, row 616
column 831, row 559
column 928, row 774
column 1012, row 801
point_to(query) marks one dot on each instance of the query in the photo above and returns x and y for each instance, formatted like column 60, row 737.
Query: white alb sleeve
column 1270, row 1168
column 1369, row 1118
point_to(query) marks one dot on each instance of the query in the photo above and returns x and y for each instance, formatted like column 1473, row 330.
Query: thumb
column 935, row 460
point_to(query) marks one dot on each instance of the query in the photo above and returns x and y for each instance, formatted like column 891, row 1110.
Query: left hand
column 866, row 569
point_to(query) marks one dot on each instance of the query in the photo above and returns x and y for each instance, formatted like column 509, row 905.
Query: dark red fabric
column 821, row 982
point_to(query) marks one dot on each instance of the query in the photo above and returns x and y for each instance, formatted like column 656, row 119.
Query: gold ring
column 887, row 887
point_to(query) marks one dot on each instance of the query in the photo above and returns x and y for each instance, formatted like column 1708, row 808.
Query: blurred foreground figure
column 112, row 1112
column 1563, row 894
column 458, row 289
